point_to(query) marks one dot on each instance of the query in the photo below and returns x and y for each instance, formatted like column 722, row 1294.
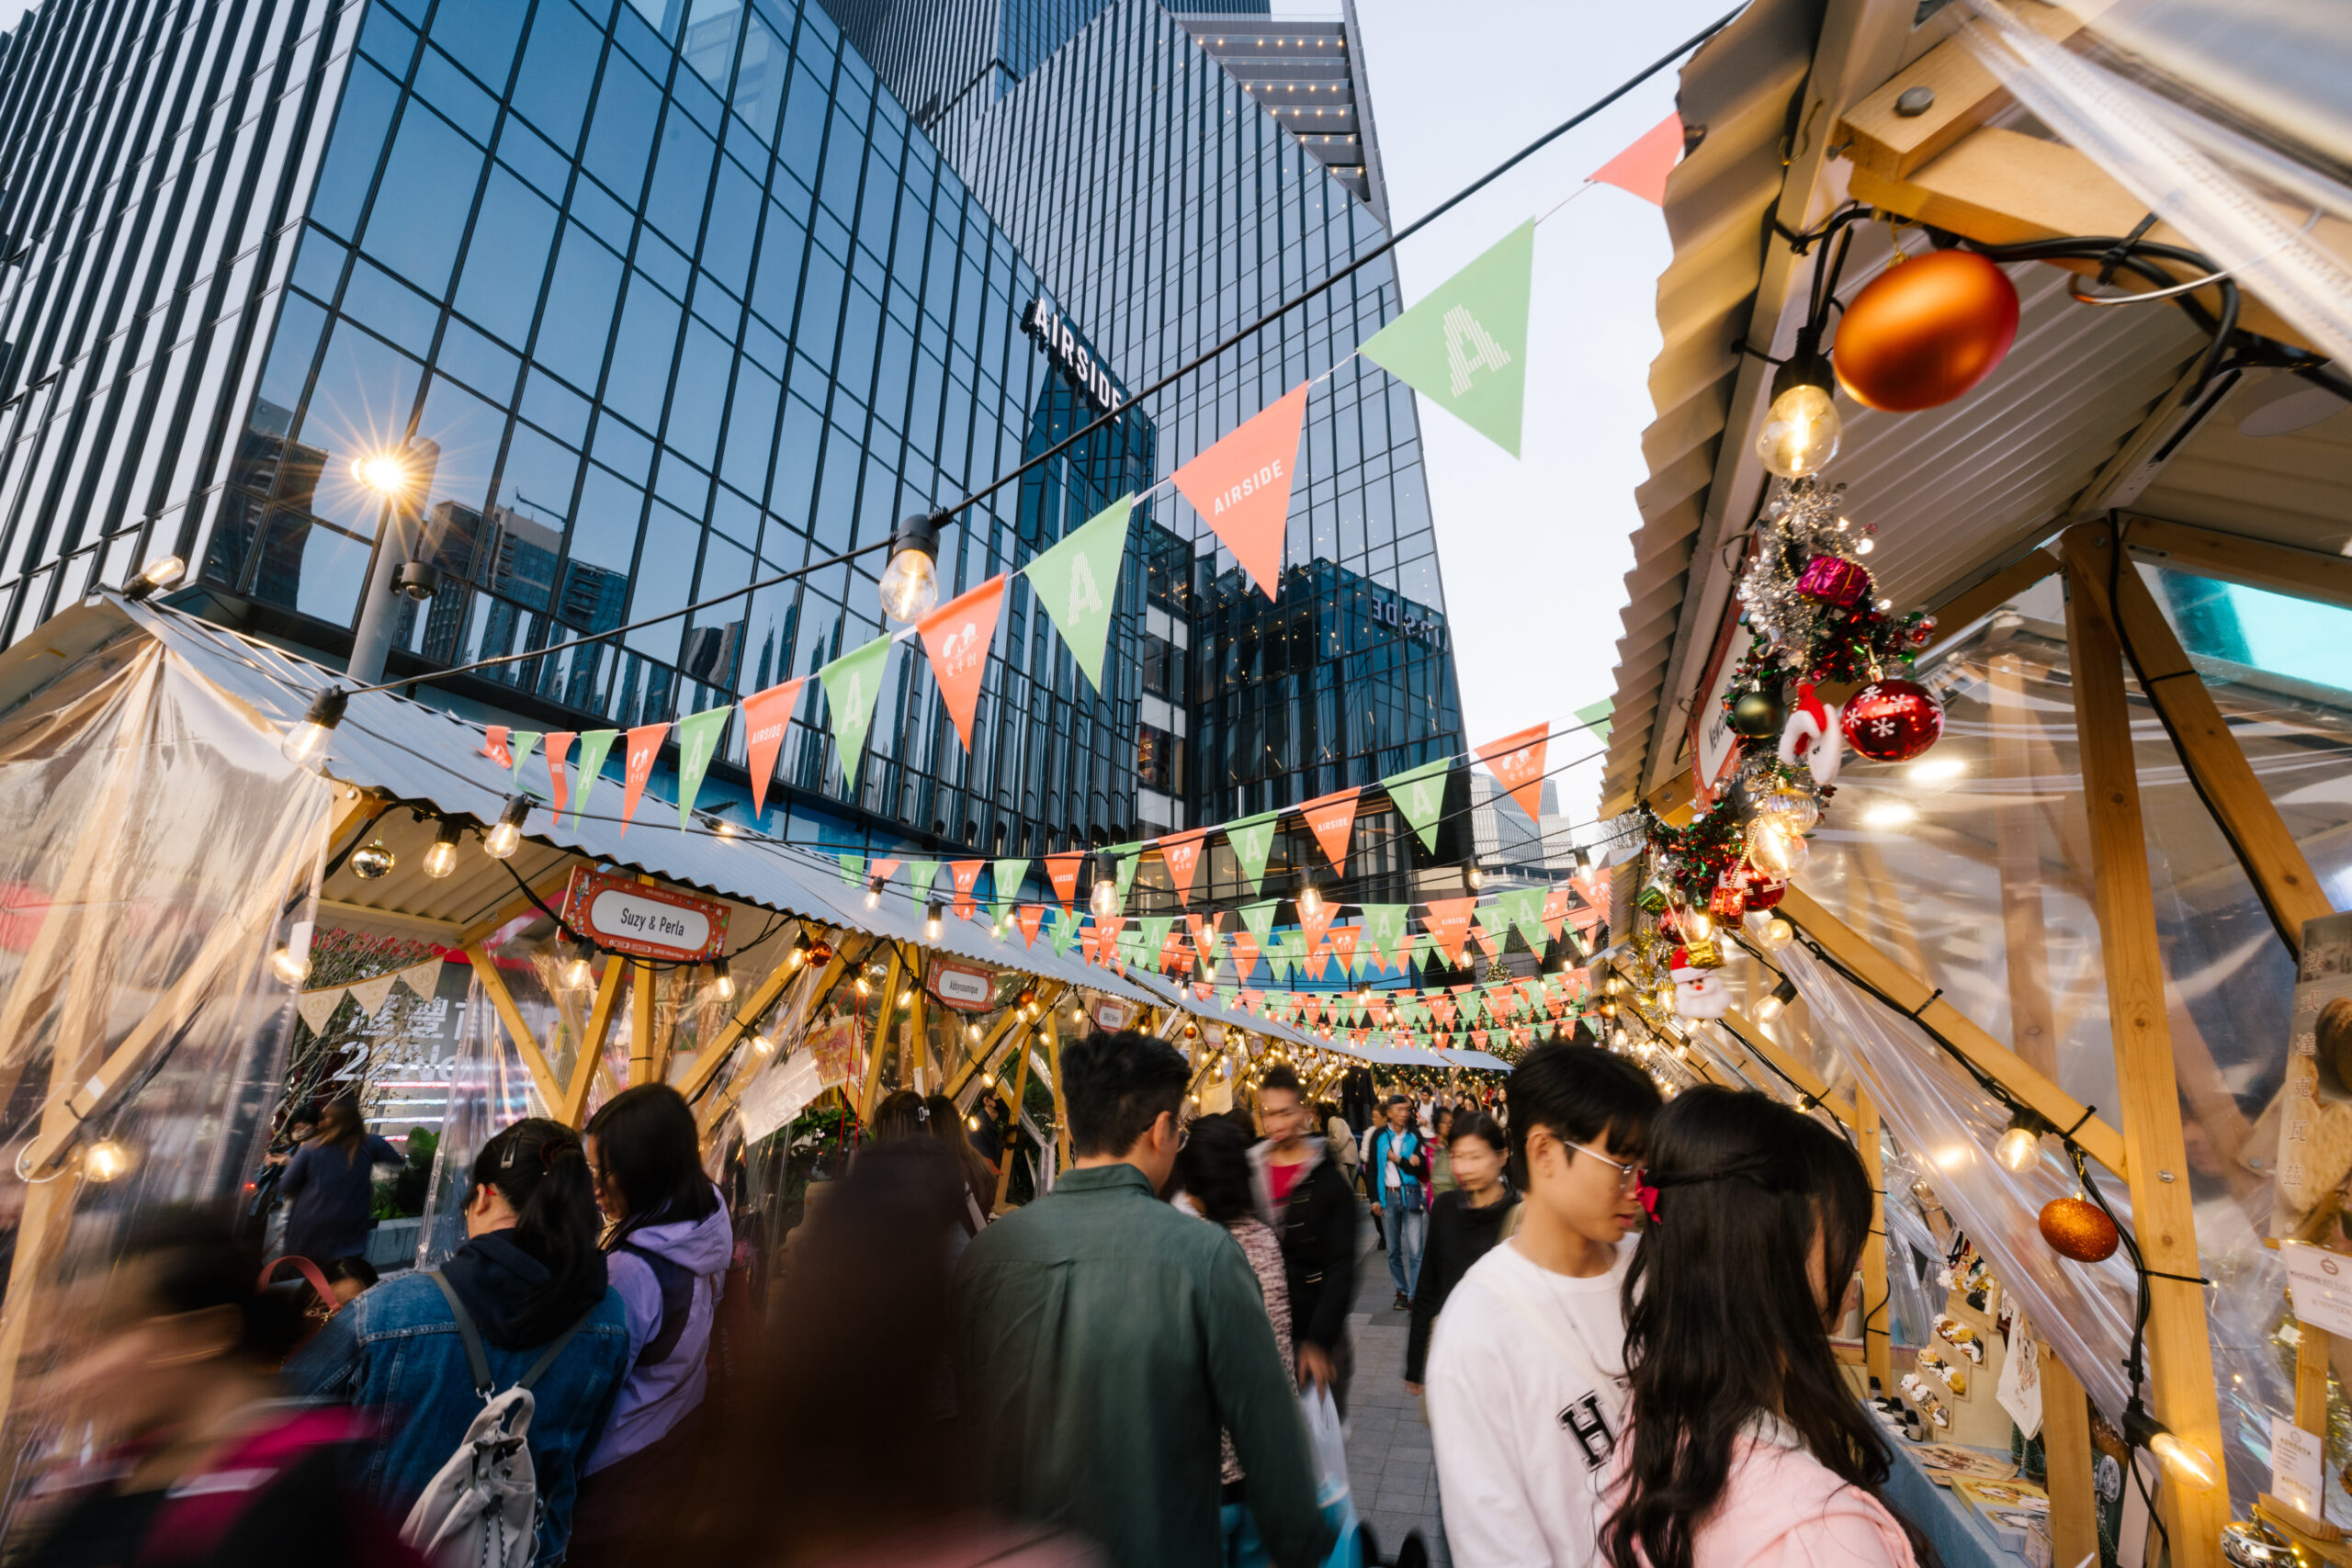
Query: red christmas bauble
column 1763, row 893
column 1926, row 331
column 2078, row 1229
column 1892, row 721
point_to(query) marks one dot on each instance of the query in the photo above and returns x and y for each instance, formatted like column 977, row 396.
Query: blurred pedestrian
column 666, row 1250
column 979, row 1176
column 1396, row 1163
column 1526, row 1369
column 330, row 1183
column 1746, row 1447
column 1301, row 1194
column 1102, row 1339
column 1464, row 1225
column 529, row 1274
column 845, row 1450
column 210, row 1466
column 1441, row 1160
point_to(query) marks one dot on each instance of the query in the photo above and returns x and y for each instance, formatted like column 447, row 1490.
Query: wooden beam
column 2181, row 1356
column 592, row 1041
column 763, row 996
column 2073, row 1464
column 1807, row 1080
column 1962, row 92
column 640, row 1023
column 1002, row 1038
column 1909, row 992
column 547, row 887
column 1968, row 606
column 882, row 1022
column 1004, row 1154
column 1061, row 1106
column 2290, row 891
column 551, row 1093
column 716, row 1105
column 2257, row 563
column 1878, row 1329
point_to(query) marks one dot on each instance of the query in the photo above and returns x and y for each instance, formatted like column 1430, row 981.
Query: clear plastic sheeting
column 157, row 861
column 490, row 1088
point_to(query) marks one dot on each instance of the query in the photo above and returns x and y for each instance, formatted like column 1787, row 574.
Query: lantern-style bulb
column 1802, row 428
column 722, row 984
column 506, row 835
column 2019, row 1144
column 1771, row 1007
column 932, row 917
column 1778, row 933
column 161, row 572
column 308, row 737
column 910, row 583
column 442, row 858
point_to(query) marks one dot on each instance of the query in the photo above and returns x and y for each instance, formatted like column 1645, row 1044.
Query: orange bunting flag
column 1479, row 1038
column 1314, row 927
column 1173, row 959
column 1643, row 167
column 1344, row 943
column 765, row 716
column 1253, row 999
column 1449, row 921
column 1318, row 958
column 1182, row 853
column 1241, row 485
column 1031, row 917
column 1517, row 762
column 493, row 746
column 1592, row 886
column 957, row 635
column 1063, row 869
column 1555, row 910
column 1244, row 948
column 558, row 747
column 1486, row 943
column 644, row 749
column 967, row 873
column 1201, row 988
column 1330, row 817
column 1090, row 942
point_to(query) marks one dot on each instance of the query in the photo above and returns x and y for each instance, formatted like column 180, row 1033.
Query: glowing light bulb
column 1310, row 903
column 308, row 737
column 1697, row 925
column 1776, row 851
column 974, row 1031
column 1800, row 431
column 1772, row 1005
column 2017, row 1149
column 910, row 587
column 722, row 984
column 576, row 972
column 161, row 572
column 442, row 858
column 1474, row 877
column 932, row 917
column 2186, row 1461
column 1778, row 933
column 873, row 892
column 105, row 1160
column 506, row 835
column 863, row 988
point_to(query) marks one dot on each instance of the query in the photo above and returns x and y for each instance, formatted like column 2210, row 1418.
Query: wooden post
column 1878, row 1327
column 642, row 1052
column 714, row 1054
column 1004, row 1155
column 493, row 985
column 880, row 1048
column 2066, row 1447
column 918, row 1030
column 847, row 956
column 1061, row 1106
column 592, row 1041
column 1010, row 1031
column 2181, row 1369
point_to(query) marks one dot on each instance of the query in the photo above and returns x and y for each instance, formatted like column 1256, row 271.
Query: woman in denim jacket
column 529, row 1271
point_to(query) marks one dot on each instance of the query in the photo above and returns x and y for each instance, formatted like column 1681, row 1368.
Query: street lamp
column 396, row 476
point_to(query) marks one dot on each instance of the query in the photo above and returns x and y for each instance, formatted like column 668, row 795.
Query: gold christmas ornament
column 2079, row 1229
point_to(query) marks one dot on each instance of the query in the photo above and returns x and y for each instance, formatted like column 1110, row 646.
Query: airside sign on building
column 1068, row 350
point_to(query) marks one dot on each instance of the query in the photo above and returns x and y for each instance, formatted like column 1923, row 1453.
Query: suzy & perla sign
column 1061, row 341
column 626, row 916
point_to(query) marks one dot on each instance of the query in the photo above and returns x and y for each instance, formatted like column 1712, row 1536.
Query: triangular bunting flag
column 766, row 715
column 851, row 683
column 1517, row 762
column 698, row 736
column 966, row 873
column 1419, row 794
column 1182, row 853
column 493, row 746
column 1643, row 167
column 424, row 979
column 644, row 750
column 1063, row 870
column 1031, row 917
column 853, row 869
column 923, row 874
column 1384, row 929
column 957, row 635
column 520, row 743
column 594, row 746
column 1329, row 817
column 371, row 995
column 1077, row 582
column 1465, row 345
column 1241, row 485
column 558, row 783
column 1005, row 878
column 1448, row 923
column 1344, row 943
column 317, row 1007
column 1244, row 948
column 1253, row 837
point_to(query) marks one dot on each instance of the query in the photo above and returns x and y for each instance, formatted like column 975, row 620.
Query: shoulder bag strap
column 547, row 1357
column 475, row 1358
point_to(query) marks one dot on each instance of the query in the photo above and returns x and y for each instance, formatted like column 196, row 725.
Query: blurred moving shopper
column 843, row 1452
column 1101, row 1339
column 946, row 1125
column 212, row 1468
column 1748, row 1448
column 1305, row 1200
column 666, row 1252
column 1212, row 1168
column 1464, row 1225
column 329, row 1184
column 1526, row 1383
column 1396, row 1164
column 529, row 1275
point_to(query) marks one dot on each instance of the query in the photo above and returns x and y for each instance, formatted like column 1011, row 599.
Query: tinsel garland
column 1692, row 860
column 1810, row 638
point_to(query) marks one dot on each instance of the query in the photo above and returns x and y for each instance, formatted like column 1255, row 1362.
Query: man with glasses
column 1304, row 1198
column 1526, row 1383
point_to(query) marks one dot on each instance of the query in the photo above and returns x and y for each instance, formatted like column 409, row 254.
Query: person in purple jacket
column 667, row 1246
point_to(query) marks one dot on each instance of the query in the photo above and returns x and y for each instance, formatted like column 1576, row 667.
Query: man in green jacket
column 1102, row 1339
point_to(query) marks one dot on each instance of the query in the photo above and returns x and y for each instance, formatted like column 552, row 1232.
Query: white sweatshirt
column 1523, row 1421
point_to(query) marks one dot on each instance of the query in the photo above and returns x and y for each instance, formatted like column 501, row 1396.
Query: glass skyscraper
column 657, row 298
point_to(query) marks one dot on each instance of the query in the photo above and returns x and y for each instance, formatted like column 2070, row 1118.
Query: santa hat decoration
column 1699, row 993
column 1681, row 968
column 1811, row 738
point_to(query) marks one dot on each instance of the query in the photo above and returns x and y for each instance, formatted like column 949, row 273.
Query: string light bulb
column 159, row 573
column 1803, row 428
column 1778, row 933
column 505, row 835
column 934, row 914
column 2187, row 1462
column 761, row 1045
column 1772, row 1005
column 308, row 737
column 1104, row 901
column 442, row 858
column 573, row 966
column 290, row 961
column 2019, row 1144
column 910, row 587
column 1310, row 903
column 874, row 891
column 722, row 984
column 105, row 1161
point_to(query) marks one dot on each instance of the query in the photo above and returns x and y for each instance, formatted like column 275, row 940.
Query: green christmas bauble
column 1758, row 716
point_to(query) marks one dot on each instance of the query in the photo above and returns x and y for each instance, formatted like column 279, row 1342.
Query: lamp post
column 398, row 475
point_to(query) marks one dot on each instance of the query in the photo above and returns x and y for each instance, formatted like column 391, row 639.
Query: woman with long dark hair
column 331, row 1184
column 529, row 1275
column 1745, row 1448
column 979, row 1176
column 668, row 1246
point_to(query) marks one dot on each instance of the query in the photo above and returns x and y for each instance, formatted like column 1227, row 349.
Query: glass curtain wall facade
column 655, row 301
column 1166, row 208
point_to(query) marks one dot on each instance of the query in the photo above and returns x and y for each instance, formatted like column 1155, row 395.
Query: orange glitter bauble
column 1926, row 331
column 2078, row 1229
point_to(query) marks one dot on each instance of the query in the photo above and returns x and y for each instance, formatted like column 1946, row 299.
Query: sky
column 1534, row 550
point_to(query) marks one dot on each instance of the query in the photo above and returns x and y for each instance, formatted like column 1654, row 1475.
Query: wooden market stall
column 2094, row 817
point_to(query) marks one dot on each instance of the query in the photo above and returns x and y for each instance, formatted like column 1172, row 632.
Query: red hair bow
column 1648, row 1195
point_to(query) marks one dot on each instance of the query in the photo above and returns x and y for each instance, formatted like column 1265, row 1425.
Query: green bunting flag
column 698, row 736
column 923, row 874
column 1128, row 861
column 1384, row 931
column 1077, row 581
column 1253, row 837
column 520, row 744
column 853, row 869
column 1259, row 919
column 851, row 683
column 594, row 746
column 1494, row 921
column 1006, row 879
column 1420, row 793
column 1063, row 928
column 1154, row 933
column 1525, row 907
column 1464, row 346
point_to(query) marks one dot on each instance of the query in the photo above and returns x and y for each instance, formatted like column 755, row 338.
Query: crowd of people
column 1619, row 1314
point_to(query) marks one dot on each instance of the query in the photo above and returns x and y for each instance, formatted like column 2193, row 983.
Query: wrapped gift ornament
column 1834, row 579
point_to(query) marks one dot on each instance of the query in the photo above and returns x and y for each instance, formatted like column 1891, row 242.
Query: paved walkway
column 1389, row 1467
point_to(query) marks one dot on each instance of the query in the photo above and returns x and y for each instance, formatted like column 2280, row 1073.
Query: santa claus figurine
column 1811, row 738
column 1698, row 993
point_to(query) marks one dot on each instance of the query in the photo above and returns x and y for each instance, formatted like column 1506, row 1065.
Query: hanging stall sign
column 967, row 987
column 840, row 1059
column 1111, row 1015
column 622, row 915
